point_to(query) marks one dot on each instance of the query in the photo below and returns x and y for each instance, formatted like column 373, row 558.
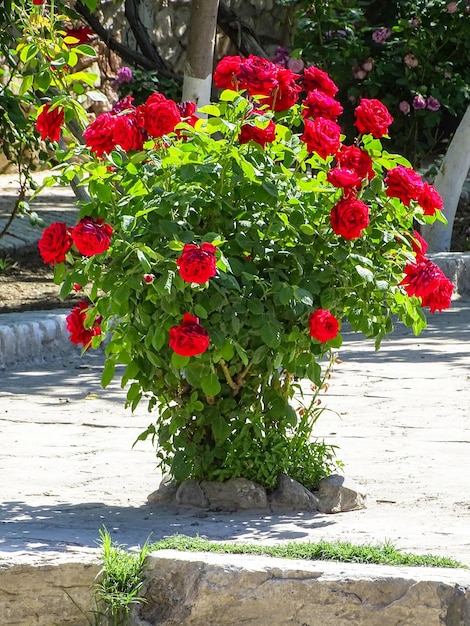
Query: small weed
column 7, row 263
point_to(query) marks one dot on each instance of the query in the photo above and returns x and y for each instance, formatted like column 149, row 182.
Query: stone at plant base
column 290, row 495
column 237, row 494
column 166, row 492
column 338, row 494
column 189, row 493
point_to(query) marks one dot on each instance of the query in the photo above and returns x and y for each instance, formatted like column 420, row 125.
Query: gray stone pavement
column 67, row 468
column 399, row 417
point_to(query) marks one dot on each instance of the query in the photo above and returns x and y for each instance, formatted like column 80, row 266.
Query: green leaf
column 200, row 311
column 304, row 296
column 307, row 229
column 270, row 336
column 193, row 373
column 210, row 109
column 144, row 261
column 210, row 385
column 108, row 373
column 85, row 49
column 259, row 354
column 179, row 361
column 220, row 429
column 364, row 273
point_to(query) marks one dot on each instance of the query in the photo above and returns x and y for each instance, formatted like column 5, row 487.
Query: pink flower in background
column 368, row 64
column 433, row 104
column 358, row 72
column 419, row 102
column 381, row 35
column 410, row 60
column 404, row 107
column 295, row 65
column 452, row 7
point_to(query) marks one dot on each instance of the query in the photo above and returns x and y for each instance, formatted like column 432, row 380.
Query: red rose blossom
column 404, row 183
column 159, row 115
column 75, row 324
column 343, row 177
column 226, row 73
column 315, row 78
column 258, row 76
column 49, row 122
column 197, row 265
column 38, row 2
column 91, row 236
column 372, row 117
column 419, row 246
column 427, row 281
column 81, row 34
column 430, row 200
column 127, row 133
column 319, row 104
column 323, row 325
column 322, row 136
column 286, row 94
column 349, row 217
column 55, row 242
column 99, row 135
column 354, row 158
column 189, row 338
column 251, row 132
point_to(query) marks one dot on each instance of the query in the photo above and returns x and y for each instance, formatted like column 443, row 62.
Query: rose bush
column 220, row 265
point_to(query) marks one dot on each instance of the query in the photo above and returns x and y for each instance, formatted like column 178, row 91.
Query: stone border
column 456, row 266
column 224, row 590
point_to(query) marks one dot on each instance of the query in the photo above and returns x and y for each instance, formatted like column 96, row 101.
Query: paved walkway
column 400, row 421
column 399, row 417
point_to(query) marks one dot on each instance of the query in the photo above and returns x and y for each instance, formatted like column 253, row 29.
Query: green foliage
column 342, row 551
column 230, row 411
column 120, row 583
column 424, row 55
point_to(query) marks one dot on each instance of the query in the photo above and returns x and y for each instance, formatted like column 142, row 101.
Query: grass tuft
column 342, row 551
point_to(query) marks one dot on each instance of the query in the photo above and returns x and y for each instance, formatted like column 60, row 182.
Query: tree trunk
column 200, row 54
column 449, row 182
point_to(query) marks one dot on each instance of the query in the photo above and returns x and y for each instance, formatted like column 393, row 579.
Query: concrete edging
column 227, row 590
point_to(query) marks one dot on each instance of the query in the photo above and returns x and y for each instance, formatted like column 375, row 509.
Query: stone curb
column 224, row 590
column 34, row 336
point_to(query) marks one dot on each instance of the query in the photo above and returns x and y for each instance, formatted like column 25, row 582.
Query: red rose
column 342, row 177
column 81, row 34
column 286, row 94
column 419, row 246
column 127, row 133
column 426, row 280
column 404, row 183
column 372, row 117
column 187, row 111
column 49, row 122
column 75, row 324
column 322, row 136
column 99, row 135
column 251, row 132
column 159, row 115
column 91, row 236
column 197, row 265
column 55, row 242
column 430, row 200
column 189, row 338
column 353, row 158
column 38, row 2
column 441, row 297
column 349, row 217
column 258, row 76
column 315, row 78
column 319, row 104
column 323, row 325
column 226, row 73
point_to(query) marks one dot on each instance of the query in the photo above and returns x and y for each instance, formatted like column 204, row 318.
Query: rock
column 225, row 590
column 338, row 494
column 237, row 494
column 189, row 493
column 292, row 496
column 166, row 492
